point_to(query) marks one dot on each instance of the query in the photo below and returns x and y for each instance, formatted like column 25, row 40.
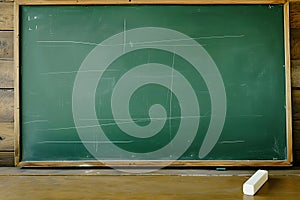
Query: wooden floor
column 163, row 185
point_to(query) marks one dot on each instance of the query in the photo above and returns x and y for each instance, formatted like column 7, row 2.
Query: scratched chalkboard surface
column 152, row 82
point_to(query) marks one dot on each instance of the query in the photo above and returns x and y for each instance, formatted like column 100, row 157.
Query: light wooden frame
column 183, row 163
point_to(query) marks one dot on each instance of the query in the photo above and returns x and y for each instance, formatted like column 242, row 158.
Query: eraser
column 254, row 183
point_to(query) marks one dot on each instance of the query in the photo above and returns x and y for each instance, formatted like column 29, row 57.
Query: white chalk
column 254, row 183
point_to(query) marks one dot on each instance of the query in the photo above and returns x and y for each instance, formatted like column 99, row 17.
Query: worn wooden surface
column 295, row 15
column 296, row 104
column 6, row 45
column 296, row 124
column 295, row 43
column 16, row 171
column 295, row 65
column 6, row 74
column 160, row 163
column 6, row 83
column 6, row 137
column 7, row 159
column 288, row 85
column 76, row 2
column 166, row 187
column 6, row 15
column 6, row 128
column 6, row 105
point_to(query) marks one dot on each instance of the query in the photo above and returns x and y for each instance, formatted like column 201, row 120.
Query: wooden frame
column 183, row 163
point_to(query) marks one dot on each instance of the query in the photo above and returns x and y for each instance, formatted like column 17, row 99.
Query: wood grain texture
column 295, row 15
column 6, row 15
column 156, row 163
column 15, row 171
column 295, row 43
column 6, row 74
column 295, row 64
column 79, row 2
column 288, row 83
column 6, row 105
column 296, row 158
column 296, row 142
column 296, row 136
column 6, row 159
column 296, row 126
column 296, row 104
column 6, row 45
column 295, row 50
column 17, row 132
column 6, row 137
column 145, row 187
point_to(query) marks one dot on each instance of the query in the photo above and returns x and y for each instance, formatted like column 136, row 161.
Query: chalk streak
column 188, row 39
column 235, row 116
column 124, row 36
column 35, row 121
column 71, row 72
column 85, row 142
column 126, row 121
column 171, row 92
column 141, row 43
column 141, row 119
column 232, row 142
column 67, row 41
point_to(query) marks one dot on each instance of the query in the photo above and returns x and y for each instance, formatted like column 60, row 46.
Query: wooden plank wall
column 7, row 86
column 295, row 64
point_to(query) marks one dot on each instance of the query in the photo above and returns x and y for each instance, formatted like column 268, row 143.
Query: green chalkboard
column 152, row 82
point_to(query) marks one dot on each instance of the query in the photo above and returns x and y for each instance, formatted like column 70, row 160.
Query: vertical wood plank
column 296, row 104
column 7, row 159
column 6, row 137
column 296, row 129
column 6, row 74
column 6, row 81
column 295, row 43
column 295, row 64
column 288, row 82
column 6, row 105
column 6, row 45
column 6, row 15
column 295, row 15
column 17, row 133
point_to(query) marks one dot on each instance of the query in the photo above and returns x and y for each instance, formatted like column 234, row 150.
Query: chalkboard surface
column 152, row 82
